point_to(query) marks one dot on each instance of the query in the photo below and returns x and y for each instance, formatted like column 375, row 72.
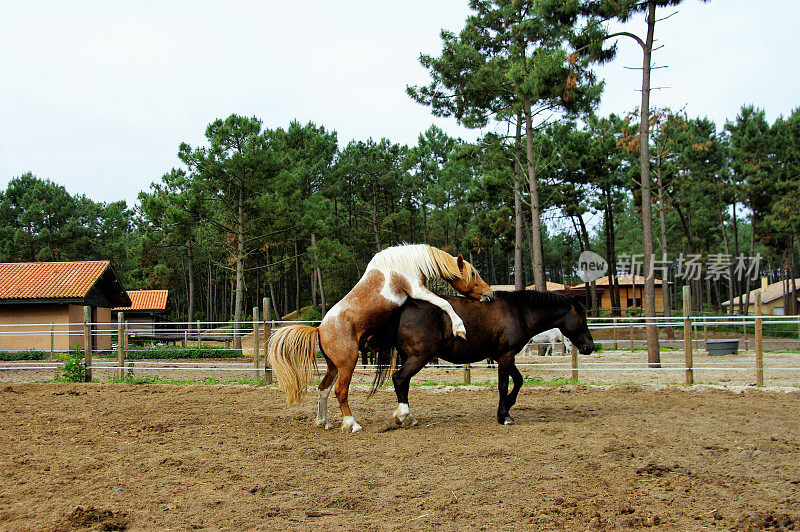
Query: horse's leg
column 346, row 367
column 324, row 392
column 402, row 381
column 511, row 399
column 420, row 292
column 504, row 365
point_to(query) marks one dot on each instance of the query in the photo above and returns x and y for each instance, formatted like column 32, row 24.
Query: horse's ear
column 460, row 263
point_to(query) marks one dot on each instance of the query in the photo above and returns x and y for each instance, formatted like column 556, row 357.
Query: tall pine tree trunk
column 649, row 296
column 536, row 226
column 519, row 269
column 190, row 274
column 239, row 303
column 611, row 253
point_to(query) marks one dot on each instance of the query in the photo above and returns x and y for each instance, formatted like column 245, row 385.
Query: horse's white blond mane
column 416, row 258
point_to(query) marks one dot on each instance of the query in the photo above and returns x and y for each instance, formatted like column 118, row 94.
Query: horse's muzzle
column 586, row 349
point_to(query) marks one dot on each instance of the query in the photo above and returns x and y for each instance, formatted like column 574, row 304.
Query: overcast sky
column 98, row 95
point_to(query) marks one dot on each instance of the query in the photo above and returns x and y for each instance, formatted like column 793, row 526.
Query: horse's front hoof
column 401, row 413
column 323, row 423
column 508, row 420
column 349, row 425
column 409, row 422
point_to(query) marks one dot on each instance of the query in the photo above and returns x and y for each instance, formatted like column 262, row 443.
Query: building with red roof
column 147, row 308
column 37, row 297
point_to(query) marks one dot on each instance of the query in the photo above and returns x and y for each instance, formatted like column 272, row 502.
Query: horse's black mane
column 535, row 297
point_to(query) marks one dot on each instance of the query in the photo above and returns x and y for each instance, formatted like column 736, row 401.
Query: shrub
column 164, row 352
column 74, row 368
column 7, row 356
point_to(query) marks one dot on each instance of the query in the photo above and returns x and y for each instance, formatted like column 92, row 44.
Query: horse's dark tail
column 382, row 343
column 385, row 355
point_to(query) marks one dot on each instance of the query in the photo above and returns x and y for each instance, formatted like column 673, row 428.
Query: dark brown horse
column 498, row 329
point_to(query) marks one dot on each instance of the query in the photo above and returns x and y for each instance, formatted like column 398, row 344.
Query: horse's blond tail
column 292, row 354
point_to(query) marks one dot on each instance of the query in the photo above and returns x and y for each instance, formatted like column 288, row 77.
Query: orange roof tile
column 622, row 280
column 49, row 280
column 146, row 300
column 551, row 287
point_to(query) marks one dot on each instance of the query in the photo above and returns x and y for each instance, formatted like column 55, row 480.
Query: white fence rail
column 130, row 342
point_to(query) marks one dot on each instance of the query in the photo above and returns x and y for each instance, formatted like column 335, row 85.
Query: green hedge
column 22, row 355
column 137, row 353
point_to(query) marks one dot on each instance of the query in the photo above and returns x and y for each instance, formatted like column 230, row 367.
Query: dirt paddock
column 113, row 456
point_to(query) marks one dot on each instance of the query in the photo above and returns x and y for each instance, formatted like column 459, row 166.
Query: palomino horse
column 499, row 329
column 392, row 276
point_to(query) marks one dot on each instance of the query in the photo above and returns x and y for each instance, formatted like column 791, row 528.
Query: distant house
column 34, row 295
column 631, row 290
column 558, row 288
column 147, row 308
column 772, row 298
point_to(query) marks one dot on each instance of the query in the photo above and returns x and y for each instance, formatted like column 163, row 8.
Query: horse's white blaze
column 401, row 411
column 349, row 422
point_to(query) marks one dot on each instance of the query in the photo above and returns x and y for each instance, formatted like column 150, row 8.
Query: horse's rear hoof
column 508, row 420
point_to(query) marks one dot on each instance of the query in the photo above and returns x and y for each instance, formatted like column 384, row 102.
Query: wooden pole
column 759, row 343
column 256, row 342
column 87, row 342
column 616, row 344
column 574, row 364
column 198, row 333
column 120, row 345
column 687, row 335
column 267, row 331
column 52, row 339
column 467, row 374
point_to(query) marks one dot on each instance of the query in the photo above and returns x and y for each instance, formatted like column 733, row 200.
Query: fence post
column 687, row 335
column 256, row 342
column 87, row 342
column 467, row 374
column 574, row 364
column 52, row 339
column 616, row 344
column 759, row 342
column 267, row 331
column 198, row 334
column 120, row 346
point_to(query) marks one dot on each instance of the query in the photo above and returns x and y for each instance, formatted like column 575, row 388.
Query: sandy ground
column 114, row 456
